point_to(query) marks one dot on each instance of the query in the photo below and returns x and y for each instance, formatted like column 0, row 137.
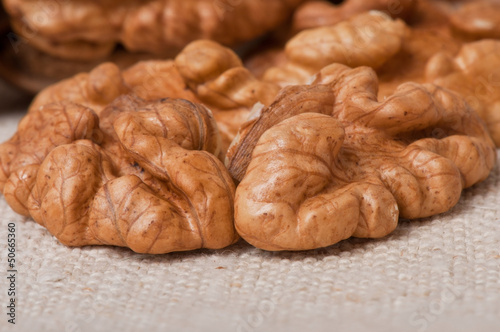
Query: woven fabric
column 436, row 274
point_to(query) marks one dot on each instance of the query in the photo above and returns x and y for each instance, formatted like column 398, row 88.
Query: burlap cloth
column 436, row 274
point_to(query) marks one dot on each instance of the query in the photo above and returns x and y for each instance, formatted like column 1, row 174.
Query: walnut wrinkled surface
column 328, row 161
column 46, row 41
column 474, row 73
column 141, row 174
column 203, row 72
column 356, row 125
column 474, row 20
column 113, row 128
column 316, row 13
column 86, row 30
column 427, row 33
column 367, row 39
column 217, row 77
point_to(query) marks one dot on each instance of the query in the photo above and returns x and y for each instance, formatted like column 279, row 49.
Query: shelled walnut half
column 203, row 72
column 49, row 40
column 142, row 175
column 474, row 20
column 367, row 39
column 86, row 30
column 328, row 161
column 313, row 14
column 474, row 73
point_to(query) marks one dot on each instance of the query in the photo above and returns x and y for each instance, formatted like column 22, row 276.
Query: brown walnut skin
column 87, row 30
column 474, row 73
column 95, row 89
column 38, row 133
column 204, row 72
column 142, row 175
column 367, row 39
column 315, row 14
column 54, row 40
column 397, row 50
column 149, row 80
column 265, row 57
column 474, row 20
column 309, row 180
column 217, row 77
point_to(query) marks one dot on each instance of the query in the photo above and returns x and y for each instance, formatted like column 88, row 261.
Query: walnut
column 368, row 39
column 142, row 175
column 203, row 72
column 150, row 80
column 157, row 79
column 328, row 161
column 85, row 30
column 38, row 133
column 314, row 14
column 32, row 70
column 263, row 58
column 428, row 33
column 475, row 19
column 218, row 78
column 398, row 51
column 95, row 89
column 50, row 41
column 474, row 73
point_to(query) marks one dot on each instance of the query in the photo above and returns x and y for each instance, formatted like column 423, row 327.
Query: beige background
column 436, row 274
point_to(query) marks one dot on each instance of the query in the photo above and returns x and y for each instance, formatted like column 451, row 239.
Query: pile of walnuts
column 359, row 119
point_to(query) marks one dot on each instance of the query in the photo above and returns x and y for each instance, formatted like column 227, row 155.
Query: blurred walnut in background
column 85, row 30
column 54, row 39
column 366, row 39
column 473, row 20
column 431, row 26
column 323, row 13
column 475, row 74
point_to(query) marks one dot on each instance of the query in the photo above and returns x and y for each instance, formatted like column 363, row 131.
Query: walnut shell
column 354, row 165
